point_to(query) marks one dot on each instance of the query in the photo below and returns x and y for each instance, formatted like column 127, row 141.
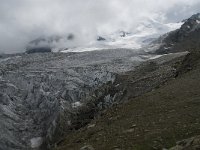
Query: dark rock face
column 184, row 39
column 46, row 44
column 123, row 33
column 191, row 25
column 38, row 50
column 70, row 37
column 100, row 38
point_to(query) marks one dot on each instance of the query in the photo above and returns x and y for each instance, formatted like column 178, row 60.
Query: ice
column 36, row 142
column 76, row 104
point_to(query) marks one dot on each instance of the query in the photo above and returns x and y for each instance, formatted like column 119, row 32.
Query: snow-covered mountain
column 183, row 38
column 145, row 32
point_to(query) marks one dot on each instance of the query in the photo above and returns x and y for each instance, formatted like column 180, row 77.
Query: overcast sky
column 25, row 20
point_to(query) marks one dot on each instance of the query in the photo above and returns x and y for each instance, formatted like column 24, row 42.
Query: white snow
column 197, row 21
column 167, row 48
column 155, row 57
column 170, row 54
column 146, row 31
column 36, row 142
column 76, row 104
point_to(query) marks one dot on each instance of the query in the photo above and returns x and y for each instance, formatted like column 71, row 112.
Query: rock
column 91, row 125
column 47, row 44
column 188, row 144
column 183, row 39
column 100, row 38
column 134, row 125
column 38, row 50
column 129, row 131
column 87, row 147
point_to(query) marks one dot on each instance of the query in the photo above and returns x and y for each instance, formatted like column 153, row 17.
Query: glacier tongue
column 36, row 89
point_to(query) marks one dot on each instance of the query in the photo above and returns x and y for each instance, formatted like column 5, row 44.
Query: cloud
column 24, row 20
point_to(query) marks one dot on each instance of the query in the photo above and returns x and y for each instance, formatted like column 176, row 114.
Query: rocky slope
column 189, row 144
column 184, row 39
column 154, row 121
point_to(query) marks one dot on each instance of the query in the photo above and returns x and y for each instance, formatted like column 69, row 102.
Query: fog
column 24, row 20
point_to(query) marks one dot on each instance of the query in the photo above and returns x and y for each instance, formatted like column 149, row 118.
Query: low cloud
column 24, row 20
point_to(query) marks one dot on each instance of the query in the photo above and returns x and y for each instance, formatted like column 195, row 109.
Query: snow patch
column 76, row 104
column 36, row 142
column 197, row 21
column 155, row 57
column 166, row 48
column 169, row 54
column 188, row 27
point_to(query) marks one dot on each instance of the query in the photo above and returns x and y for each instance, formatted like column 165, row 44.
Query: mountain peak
column 192, row 23
column 182, row 39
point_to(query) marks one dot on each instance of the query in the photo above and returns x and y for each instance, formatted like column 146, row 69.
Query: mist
column 25, row 20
